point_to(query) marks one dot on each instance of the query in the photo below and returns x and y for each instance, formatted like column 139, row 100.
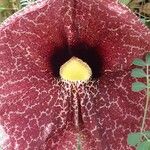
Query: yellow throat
column 75, row 70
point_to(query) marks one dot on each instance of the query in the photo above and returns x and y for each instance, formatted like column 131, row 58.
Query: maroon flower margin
column 40, row 112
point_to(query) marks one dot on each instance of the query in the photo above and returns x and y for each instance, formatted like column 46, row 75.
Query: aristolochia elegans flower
column 39, row 109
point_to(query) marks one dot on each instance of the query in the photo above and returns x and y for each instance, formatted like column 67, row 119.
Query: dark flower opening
column 83, row 51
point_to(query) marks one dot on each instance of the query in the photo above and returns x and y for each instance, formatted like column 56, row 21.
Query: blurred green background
column 140, row 7
column 8, row 7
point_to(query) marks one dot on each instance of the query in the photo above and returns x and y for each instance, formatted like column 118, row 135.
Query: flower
column 40, row 111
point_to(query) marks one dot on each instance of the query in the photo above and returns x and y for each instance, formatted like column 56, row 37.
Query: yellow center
column 75, row 70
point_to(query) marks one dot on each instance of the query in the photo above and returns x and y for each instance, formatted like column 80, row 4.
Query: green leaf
column 125, row 1
column 148, row 58
column 139, row 62
column 134, row 138
column 138, row 86
column 2, row 9
column 138, row 73
column 147, row 133
column 144, row 146
column 137, row 140
column 143, row 20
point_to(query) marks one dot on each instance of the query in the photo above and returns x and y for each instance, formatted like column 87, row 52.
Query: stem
column 79, row 142
column 77, row 116
column 75, row 106
column 147, row 99
column 9, row 9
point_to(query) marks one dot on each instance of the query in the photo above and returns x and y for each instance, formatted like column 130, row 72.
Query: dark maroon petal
column 37, row 110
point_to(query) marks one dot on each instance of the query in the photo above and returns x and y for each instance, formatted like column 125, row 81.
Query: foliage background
column 8, row 7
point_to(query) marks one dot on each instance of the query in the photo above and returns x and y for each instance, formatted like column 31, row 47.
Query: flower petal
column 36, row 110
